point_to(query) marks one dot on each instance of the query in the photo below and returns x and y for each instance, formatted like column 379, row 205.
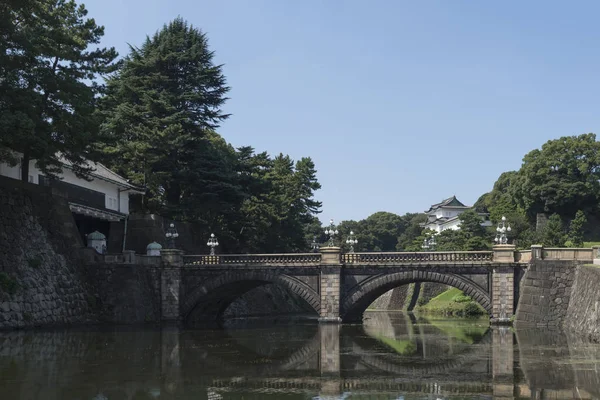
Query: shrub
column 472, row 310
column 462, row 299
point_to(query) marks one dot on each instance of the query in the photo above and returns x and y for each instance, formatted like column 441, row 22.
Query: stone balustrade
column 292, row 259
column 523, row 256
column 418, row 257
column 508, row 254
column 557, row 253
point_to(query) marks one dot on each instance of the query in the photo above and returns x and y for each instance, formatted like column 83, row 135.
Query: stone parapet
column 330, row 255
column 172, row 258
column 504, row 253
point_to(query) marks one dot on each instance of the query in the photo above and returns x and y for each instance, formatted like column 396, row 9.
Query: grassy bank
column 452, row 302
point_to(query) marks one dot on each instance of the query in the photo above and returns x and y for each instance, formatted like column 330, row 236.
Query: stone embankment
column 545, row 293
column 583, row 314
column 39, row 281
column 561, row 294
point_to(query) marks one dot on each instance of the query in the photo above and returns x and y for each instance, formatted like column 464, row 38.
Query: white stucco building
column 94, row 203
column 444, row 215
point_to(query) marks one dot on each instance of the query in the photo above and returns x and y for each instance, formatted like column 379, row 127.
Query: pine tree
column 160, row 109
column 575, row 235
column 48, row 84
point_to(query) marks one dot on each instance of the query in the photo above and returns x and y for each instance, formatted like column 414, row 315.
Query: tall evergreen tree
column 48, row 89
column 160, row 109
column 575, row 235
column 553, row 234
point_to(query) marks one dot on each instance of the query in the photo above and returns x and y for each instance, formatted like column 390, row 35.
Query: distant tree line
column 553, row 200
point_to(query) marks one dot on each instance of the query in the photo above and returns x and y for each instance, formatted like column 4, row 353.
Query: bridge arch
column 363, row 294
column 208, row 300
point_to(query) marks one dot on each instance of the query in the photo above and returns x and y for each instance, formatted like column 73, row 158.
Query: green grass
column 591, row 244
column 404, row 347
column 452, row 302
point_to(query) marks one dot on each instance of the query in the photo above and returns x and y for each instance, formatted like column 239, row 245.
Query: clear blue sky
column 399, row 103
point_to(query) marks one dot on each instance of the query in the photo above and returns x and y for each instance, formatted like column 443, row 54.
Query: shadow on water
column 389, row 356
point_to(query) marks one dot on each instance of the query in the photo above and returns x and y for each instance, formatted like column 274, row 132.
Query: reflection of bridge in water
column 386, row 357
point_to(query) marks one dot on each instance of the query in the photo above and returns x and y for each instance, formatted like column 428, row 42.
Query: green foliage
column 553, row 234
column 160, row 109
column 8, row 284
column 470, row 224
column 478, row 243
column 575, row 235
column 462, row 299
column 412, row 237
column 384, row 231
column 472, row 309
column 561, row 178
column 453, row 302
column 451, row 240
column 49, row 87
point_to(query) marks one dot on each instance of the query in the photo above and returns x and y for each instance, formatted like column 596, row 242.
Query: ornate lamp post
column 331, row 232
column 352, row 241
column 212, row 243
column 171, row 235
column 501, row 230
column 315, row 245
column 429, row 244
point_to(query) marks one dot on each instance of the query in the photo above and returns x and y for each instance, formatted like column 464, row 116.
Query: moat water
column 390, row 356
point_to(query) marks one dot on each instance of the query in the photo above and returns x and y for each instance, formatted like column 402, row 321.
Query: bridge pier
column 503, row 284
column 170, row 283
column 329, row 284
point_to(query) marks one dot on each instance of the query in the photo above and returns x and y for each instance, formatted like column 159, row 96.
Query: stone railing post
column 129, row 256
column 170, row 281
column 504, row 253
column 537, row 252
column 503, row 284
column 329, row 286
column 596, row 255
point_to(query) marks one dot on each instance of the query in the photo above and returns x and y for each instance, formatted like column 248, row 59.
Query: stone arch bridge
column 340, row 286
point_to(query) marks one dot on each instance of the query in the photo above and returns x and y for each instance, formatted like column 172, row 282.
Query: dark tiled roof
column 449, row 202
column 101, row 172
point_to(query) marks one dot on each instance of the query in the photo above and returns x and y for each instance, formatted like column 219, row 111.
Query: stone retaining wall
column 126, row 293
column 583, row 315
column 545, row 293
column 40, row 283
